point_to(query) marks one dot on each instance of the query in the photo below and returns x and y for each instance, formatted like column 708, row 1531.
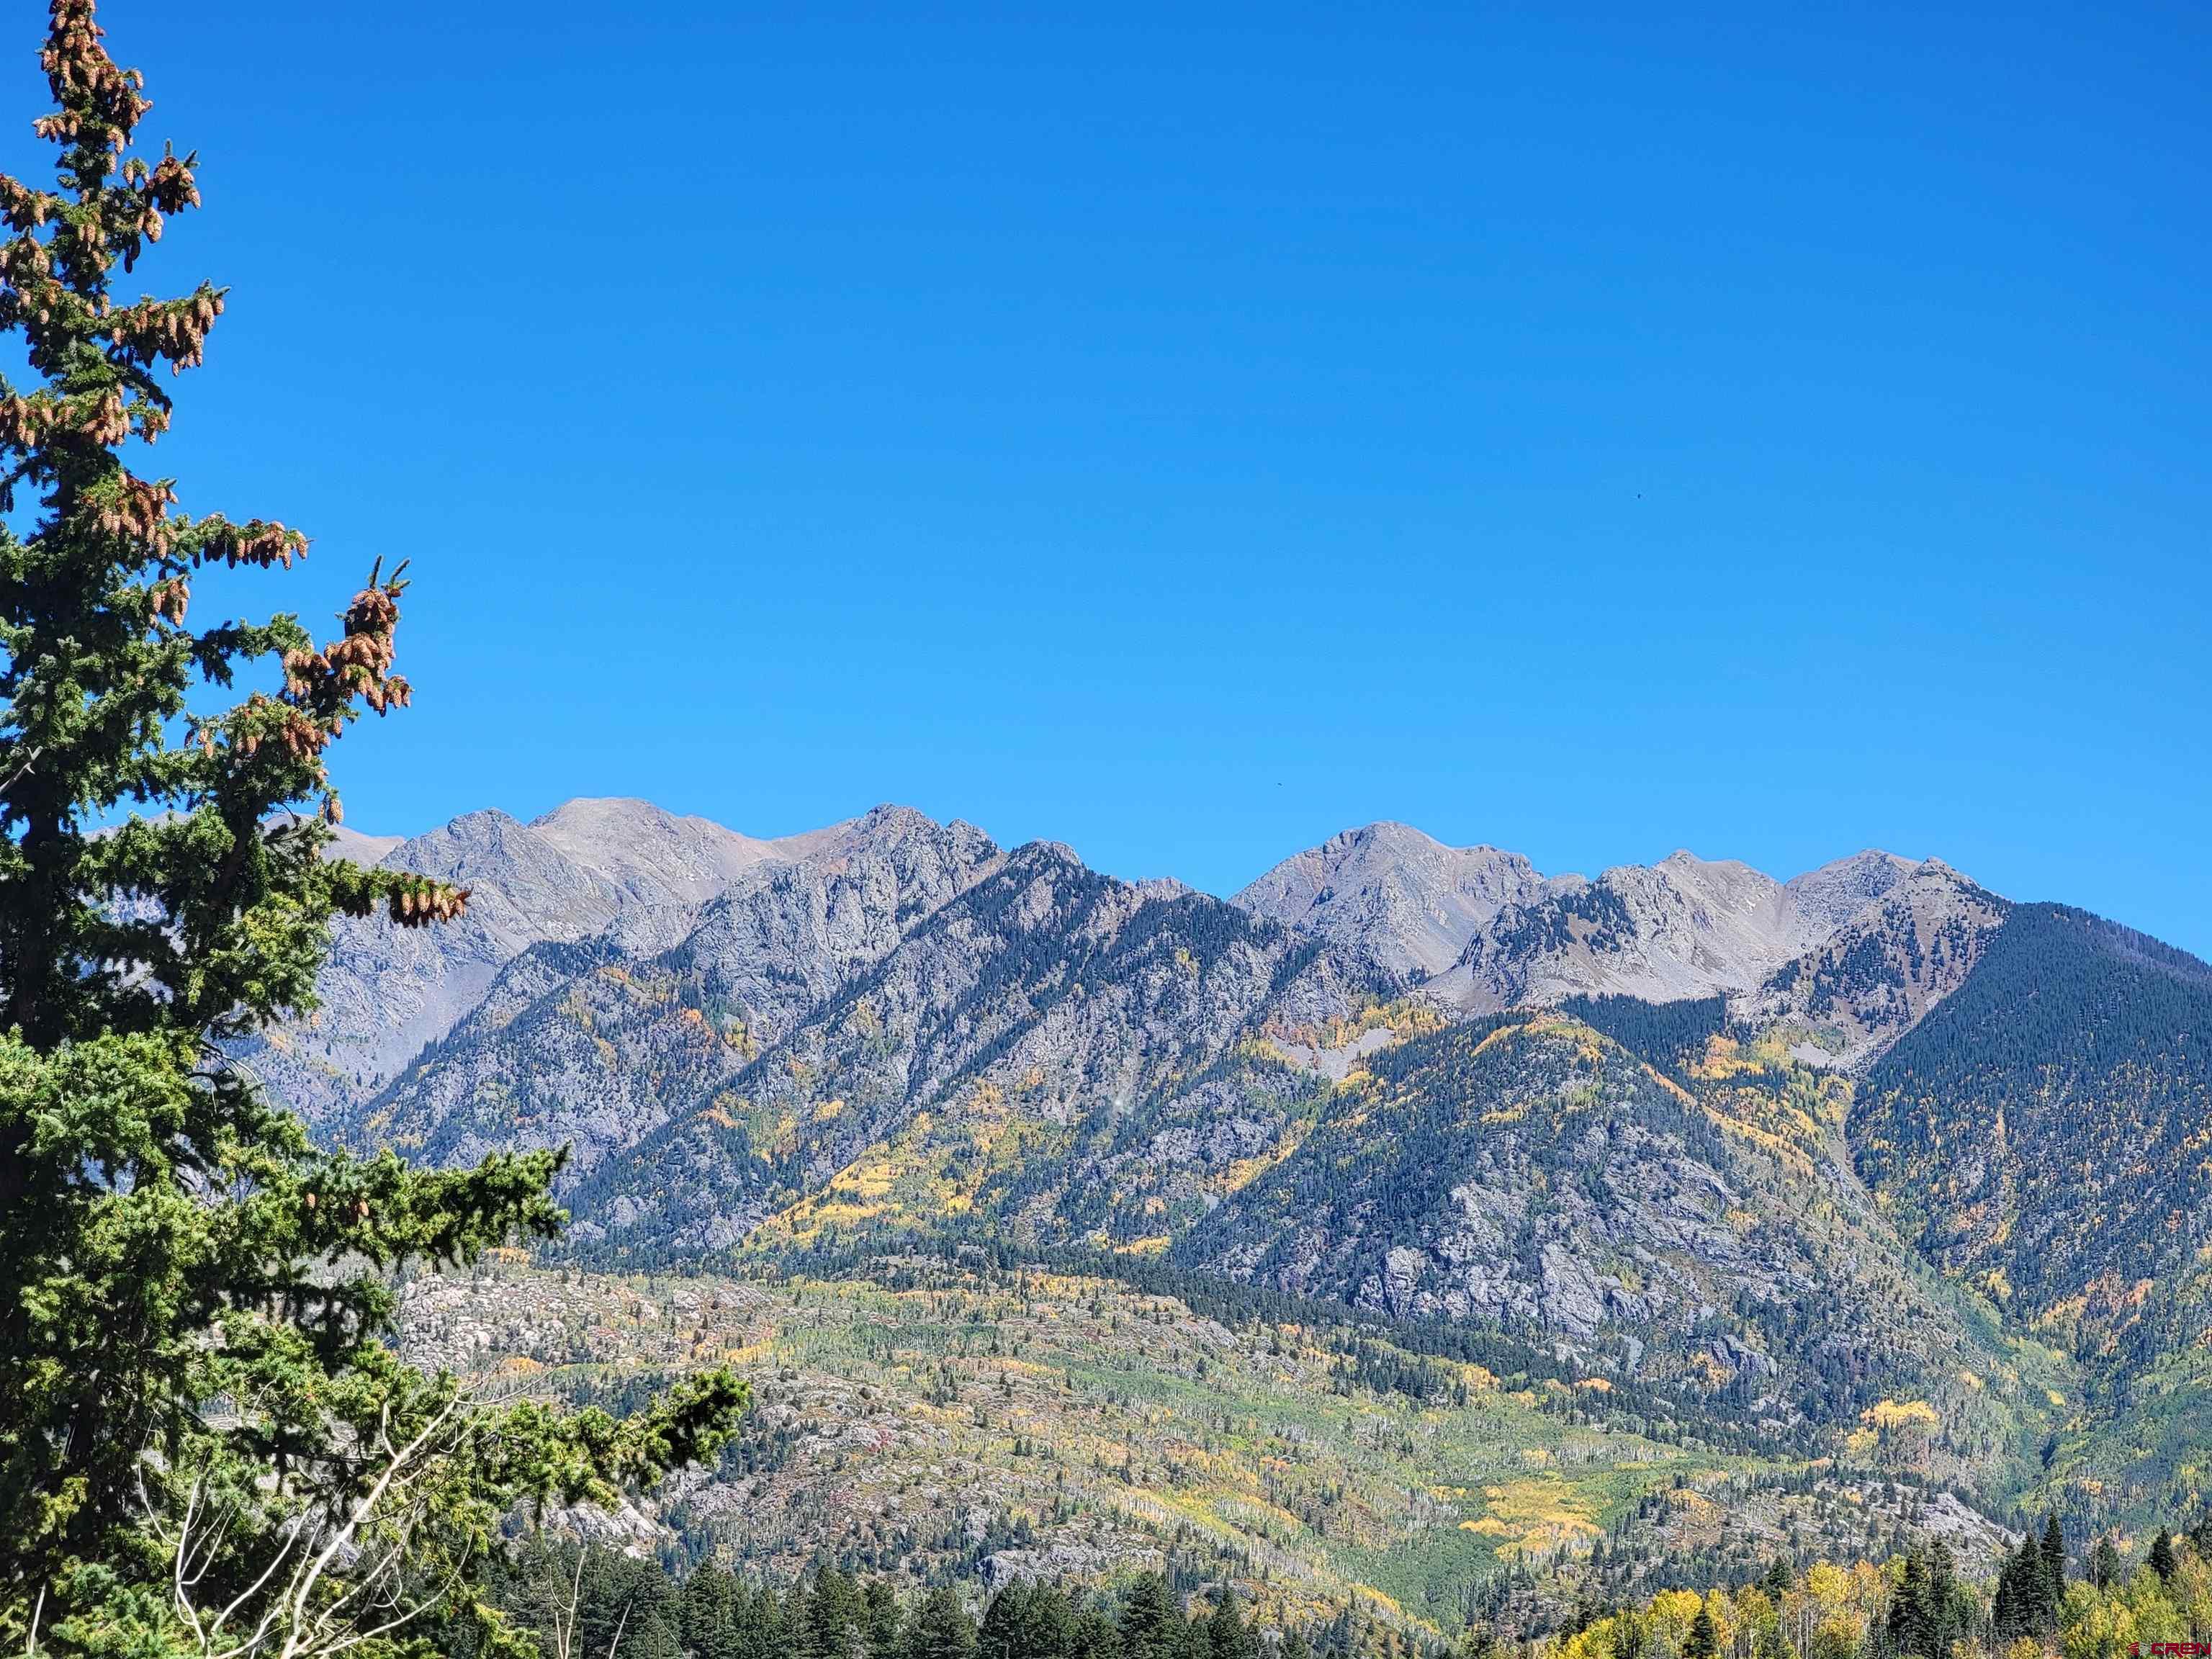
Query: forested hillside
column 1697, row 1223
column 2044, row 1131
column 2044, row 1136
column 1918, row 1603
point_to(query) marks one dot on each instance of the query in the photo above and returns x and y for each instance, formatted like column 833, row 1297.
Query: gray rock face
column 820, row 992
column 590, row 867
column 590, row 1044
column 718, row 1026
column 1641, row 1239
column 1477, row 926
column 1877, row 976
column 1682, row 928
column 1834, row 893
column 659, row 860
column 387, row 990
column 1409, row 900
column 1488, row 932
column 357, row 849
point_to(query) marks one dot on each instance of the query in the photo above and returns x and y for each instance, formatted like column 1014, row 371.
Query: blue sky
column 1184, row 431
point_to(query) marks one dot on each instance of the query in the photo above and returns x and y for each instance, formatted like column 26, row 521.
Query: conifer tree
column 1912, row 1621
column 1151, row 1626
column 1227, row 1635
column 2162, row 1559
column 196, row 1399
column 2024, row 1604
column 831, row 1626
column 938, row 1628
column 2105, row 1563
column 2054, row 1562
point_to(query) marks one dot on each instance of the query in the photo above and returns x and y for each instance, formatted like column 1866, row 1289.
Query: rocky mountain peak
column 654, row 856
column 1879, row 973
column 1836, row 891
column 1059, row 850
column 357, row 849
column 1404, row 897
column 891, row 822
column 1683, row 927
column 1729, row 884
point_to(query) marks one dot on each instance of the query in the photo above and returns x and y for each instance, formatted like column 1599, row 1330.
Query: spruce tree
column 1005, row 1633
column 1092, row 1635
column 193, row 1298
column 2161, row 1560
column 1704, row 1640
column 2017, row 1609
column 938, row 1628
column 1227, row 1635
column 2054, row 1563
column 1151, row 1626
column 831, row 1628
column 880, row 1629
column 2105, row 1563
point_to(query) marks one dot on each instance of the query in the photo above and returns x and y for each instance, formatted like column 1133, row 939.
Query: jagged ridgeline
column 1643, row 1138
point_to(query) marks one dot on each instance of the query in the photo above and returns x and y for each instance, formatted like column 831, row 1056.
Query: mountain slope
column 387, row 990
column 1052, row 1048
column 659, row 860
column 594, row 1042
column 1494, row 933
column 1699, row 1227
column 1619, row 1124
column 621, row 867
column 2046, row 1135
column 944, row 1420
column 1836, row 892
column 2046, row 1132
column 1866, row 985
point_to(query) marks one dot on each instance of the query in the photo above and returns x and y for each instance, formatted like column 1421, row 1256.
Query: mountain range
column 1870, row 1166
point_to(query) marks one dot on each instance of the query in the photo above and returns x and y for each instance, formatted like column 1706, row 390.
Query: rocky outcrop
column 387, row 990
column 1095, row 1012
column 1832, row 895
column 623, row 868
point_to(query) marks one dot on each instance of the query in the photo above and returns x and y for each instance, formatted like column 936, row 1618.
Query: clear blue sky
column 1184, row 431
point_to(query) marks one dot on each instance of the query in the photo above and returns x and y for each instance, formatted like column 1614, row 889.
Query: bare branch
column 320, row 1595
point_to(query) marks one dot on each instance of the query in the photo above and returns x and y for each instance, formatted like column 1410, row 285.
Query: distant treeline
column 591, row 1603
